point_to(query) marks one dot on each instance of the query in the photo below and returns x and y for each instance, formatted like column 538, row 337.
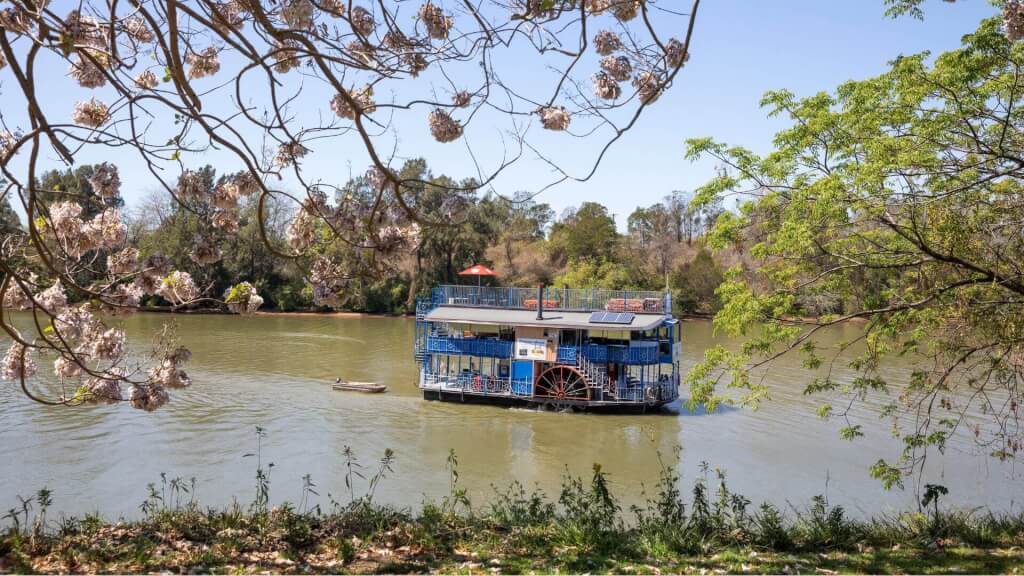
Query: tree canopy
column 897, row 200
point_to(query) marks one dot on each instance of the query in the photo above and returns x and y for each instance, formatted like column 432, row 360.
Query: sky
column 740, row 50
column 743, row 48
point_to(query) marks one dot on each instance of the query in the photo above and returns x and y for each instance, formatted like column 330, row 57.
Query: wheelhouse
column 558, row 347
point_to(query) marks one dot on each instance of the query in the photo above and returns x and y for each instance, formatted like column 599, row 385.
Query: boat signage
column 531, row 348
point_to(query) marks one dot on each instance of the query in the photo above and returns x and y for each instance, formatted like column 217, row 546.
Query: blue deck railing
column 483, row 347
column 636, row 353
column 564, row 299
column 664, row 389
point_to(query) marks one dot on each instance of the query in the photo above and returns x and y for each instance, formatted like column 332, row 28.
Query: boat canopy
column 552, row 318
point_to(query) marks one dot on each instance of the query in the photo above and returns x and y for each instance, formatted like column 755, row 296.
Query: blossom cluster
column 554, row 118
column 77, row 237
column 362, row 97
column 91, row 352
column 438, row 24
column 443, row 127
column 1013, row 19
column 91, row 113
column 242, row 299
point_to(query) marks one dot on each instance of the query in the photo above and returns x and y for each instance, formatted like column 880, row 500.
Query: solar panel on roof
column 612, row 317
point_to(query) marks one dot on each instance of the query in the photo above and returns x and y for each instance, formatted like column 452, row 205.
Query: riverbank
column 378, row 540
column 584, row 530
column 299, row 313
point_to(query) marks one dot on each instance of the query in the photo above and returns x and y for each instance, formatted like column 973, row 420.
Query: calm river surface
column 274, row 372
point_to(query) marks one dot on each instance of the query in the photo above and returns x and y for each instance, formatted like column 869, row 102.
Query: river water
column 274, row 371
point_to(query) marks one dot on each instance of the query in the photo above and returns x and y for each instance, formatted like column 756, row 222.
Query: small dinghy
column 369, row 387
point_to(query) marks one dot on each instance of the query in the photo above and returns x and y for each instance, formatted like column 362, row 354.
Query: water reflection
column 275, row 372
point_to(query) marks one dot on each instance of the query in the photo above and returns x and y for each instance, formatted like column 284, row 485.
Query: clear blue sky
column 741, row 48
column 744, row 48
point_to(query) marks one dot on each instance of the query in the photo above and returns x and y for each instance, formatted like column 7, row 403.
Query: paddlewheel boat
column 566, row 349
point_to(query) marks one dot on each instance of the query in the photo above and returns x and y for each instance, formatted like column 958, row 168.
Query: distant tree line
column 518, row 236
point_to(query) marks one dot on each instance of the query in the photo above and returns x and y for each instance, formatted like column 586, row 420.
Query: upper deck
column 554, row 299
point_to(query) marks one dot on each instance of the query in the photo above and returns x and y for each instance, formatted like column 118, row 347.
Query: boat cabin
column 558, row 347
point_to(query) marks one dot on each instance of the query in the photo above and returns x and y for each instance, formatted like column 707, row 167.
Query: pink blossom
column 112, row 232
column 606, row 87
column 462, row 99
column 362, row 21
column 191, row 186
column 16, row 20
column 288, row 153
column 301, row 232
column 157, row 265
column 228, row 15
column 625, row 10
column 178, row 288
column 137, row 29
column 437, row 23
column 1013, row 19
column 298, row 14
column 648, row 87
column 674, row 54
column 362, row 97
column 124, row 297
column 203, row 64
column 443, row 127
column 73, row 323
column 606, row 42
column 107, row 344
column 554, row 118
column 16, row 298
column 105, row 390
column 86, row 72
column 328, row 281
column 205, row 251
column 124, row 262
column 106, row 181
column 226, row 220
column 225, row 196
column 618, row 67
column 66, row 367
column 147, row 80
column 18, row 363
column 243, row 299
column 148, row 397
column 286, row 56
column 52, row 300
column 335, row 8
column 91, row 113
column 82, row 28
column 7, row 142
column 247, row 184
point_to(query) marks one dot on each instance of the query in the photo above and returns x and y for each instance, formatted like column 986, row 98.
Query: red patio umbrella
column 478, row 270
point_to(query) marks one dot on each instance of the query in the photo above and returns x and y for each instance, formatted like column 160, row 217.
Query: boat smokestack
column 540, row 301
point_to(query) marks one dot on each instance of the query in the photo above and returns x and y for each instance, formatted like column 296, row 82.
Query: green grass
column 462, row 545
column 708, row 529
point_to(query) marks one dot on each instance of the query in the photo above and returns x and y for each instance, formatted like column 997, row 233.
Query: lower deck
column 570, row 386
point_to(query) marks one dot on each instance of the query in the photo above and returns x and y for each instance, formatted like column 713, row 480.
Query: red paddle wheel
column 562, row 383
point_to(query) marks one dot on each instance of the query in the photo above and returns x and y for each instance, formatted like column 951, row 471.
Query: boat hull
column 543, row 404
